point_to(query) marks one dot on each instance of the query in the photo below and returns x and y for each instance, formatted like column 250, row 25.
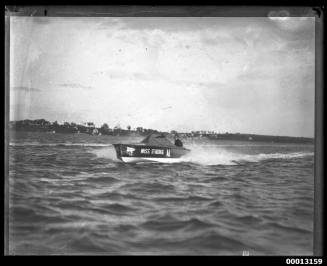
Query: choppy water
column 69, row 194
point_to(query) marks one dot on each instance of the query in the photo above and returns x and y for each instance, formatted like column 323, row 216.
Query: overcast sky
column 248, row 75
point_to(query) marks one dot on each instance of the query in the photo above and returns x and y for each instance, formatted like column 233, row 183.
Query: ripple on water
column 169, row 223
column 75, row 200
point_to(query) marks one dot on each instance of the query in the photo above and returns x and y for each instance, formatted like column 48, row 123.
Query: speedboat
column 154, row 148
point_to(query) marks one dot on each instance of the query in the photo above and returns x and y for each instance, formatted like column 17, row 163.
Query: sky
column 224, row 74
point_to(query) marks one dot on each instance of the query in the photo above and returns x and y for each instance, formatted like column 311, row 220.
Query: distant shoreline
column 41, row 125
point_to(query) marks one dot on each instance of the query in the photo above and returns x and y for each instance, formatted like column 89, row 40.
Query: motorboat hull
column 131, row 153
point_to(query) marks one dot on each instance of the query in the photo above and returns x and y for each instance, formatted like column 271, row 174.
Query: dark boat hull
column 142, row 153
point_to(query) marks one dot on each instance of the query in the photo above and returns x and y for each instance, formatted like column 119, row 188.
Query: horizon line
column 180, row 132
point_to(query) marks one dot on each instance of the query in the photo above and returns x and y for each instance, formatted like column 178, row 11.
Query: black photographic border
column 185, row 11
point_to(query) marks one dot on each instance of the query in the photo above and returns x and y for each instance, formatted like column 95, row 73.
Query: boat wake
column 107, row 153
column 200, row 154
column 213, row 156
column 227, row 158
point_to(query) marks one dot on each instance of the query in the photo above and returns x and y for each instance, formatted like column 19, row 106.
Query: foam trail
column 107, row 153
column 220, row 156
column 212, row 156
column 209, row 156
column 266, row 156
column 200, row 154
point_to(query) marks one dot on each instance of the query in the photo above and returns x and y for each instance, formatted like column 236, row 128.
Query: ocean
column 68, row 194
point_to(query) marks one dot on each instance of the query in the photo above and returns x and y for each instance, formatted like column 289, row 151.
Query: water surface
column 69, row 195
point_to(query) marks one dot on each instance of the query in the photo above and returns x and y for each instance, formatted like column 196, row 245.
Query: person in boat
column 178, row 142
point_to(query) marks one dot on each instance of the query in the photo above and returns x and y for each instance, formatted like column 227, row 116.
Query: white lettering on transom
column 146, row 151
column 156, row 151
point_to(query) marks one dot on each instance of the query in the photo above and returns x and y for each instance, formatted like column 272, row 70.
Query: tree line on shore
column 42, row 125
